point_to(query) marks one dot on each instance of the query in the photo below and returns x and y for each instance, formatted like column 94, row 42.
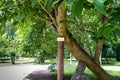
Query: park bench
column 3, row 59
column 52, row 67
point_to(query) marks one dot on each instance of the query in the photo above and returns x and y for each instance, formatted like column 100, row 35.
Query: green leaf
column 69, row 2
column 100, row 7
column 115, row 19
column 33, row 3
column 117, row 32
column 2, row 30
column 90, row 1
column 102, row 1
column 21, row 16
column 106, row 32
column 64, row 5
column 14, row 0
column 110, row 1
column 49, row 5
column 100, row 31
column 38, row 0
column 77, row 7
column 27, row 11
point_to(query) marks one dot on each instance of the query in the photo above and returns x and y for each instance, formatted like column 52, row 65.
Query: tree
column 55, row 12
column 12, row 57
column 83, row 55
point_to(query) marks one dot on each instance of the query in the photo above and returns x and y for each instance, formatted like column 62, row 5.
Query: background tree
column 54, row 12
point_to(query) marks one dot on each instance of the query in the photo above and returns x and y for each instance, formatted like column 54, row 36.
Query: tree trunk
column 98, row 52
column 79, row 72
column 79, row 53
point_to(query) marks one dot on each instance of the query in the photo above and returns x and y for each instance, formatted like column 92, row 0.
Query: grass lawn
column 112, row 68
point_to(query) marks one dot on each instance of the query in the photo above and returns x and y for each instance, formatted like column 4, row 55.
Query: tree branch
column 98, row 51
column 53, row 27
column 46, row 20
column 100, row 43
column 53, row 23
column 78, row 52
column 52, row 18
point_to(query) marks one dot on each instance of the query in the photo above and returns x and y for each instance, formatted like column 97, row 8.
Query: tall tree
column 54, row 13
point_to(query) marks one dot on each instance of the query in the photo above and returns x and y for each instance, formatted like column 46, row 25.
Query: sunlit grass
column 112, row 68
column 114, row 73
column 69, row 70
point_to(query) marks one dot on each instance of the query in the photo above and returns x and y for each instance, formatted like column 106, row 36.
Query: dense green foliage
column 24, row 25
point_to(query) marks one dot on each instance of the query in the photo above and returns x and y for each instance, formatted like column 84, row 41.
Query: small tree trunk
column 79, row 72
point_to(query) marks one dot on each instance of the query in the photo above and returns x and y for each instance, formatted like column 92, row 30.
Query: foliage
column 35, row 16
column 77, row 7
column 40, row 57
column 99, row 5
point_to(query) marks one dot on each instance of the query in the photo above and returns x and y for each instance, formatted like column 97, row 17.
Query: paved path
column 113, row 68
column 19, row 72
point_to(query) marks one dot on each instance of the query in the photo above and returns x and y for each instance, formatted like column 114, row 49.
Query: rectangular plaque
column 60, row 39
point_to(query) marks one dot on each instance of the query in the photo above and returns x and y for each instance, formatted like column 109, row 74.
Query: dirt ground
column 40, row 75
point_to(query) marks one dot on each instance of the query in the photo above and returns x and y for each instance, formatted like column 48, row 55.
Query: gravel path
column 19, row 72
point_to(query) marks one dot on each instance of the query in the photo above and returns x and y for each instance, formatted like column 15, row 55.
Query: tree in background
column 54, row 13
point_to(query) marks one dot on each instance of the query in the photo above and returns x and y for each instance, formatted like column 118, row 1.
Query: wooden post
column 60, row 58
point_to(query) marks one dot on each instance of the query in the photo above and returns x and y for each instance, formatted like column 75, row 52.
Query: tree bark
column 79, row 72
column 79, row 53
column 98, row 51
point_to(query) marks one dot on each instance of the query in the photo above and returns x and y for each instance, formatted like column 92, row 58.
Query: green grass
column 110, row 68
column 114, row 73
column 70, row 70
column 112, row 61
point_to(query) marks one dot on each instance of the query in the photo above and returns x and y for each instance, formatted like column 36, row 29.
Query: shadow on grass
column 45, row 75
column 66, row 76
